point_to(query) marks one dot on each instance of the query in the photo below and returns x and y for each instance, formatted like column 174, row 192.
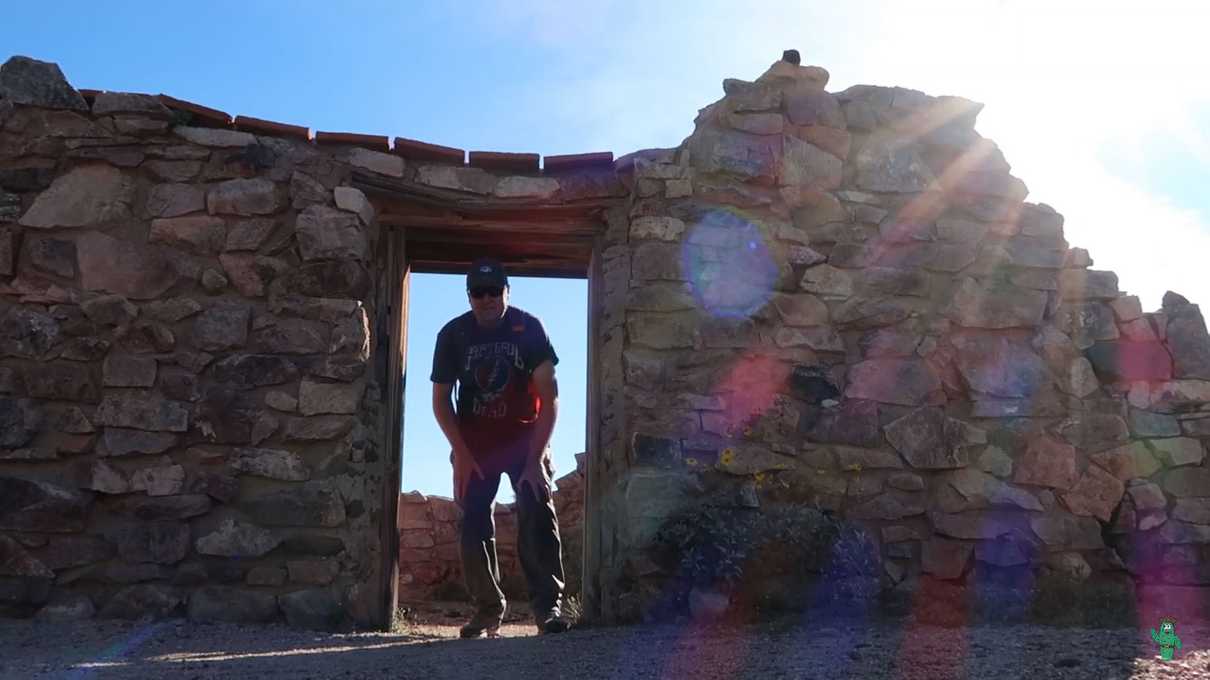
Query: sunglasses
column 478, row 293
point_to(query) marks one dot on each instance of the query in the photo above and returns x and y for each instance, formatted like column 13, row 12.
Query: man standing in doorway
column 507, row 401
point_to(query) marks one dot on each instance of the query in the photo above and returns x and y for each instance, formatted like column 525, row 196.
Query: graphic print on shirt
column 491, row 366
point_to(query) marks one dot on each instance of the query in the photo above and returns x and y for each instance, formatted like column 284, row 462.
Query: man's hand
column 536, row 477
column 465, row 465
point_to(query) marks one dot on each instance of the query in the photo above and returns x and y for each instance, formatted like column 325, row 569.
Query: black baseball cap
column 486, row 272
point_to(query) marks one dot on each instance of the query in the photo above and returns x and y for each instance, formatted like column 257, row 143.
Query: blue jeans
column 538, row 543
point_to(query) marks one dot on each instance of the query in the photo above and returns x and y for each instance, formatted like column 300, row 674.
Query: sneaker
column 552, row 623
column 484, row 622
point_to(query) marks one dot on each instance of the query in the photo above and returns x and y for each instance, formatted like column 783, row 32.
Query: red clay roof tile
column 213, row 116
column 375, row 142
column 415, row 150
column 506, row 162
column 249, row 124
column 577, row 161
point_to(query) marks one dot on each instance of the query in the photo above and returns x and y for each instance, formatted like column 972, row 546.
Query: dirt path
column 428, row 649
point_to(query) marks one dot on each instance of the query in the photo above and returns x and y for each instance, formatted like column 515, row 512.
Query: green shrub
column 782, row 552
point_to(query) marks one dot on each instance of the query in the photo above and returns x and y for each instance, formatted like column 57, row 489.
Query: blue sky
column 1101, row 107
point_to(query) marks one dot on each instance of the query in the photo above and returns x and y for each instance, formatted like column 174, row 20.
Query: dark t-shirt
column 496, row 401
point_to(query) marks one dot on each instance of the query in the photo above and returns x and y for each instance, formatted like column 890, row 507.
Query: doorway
column 430, row 569
column 426, row 231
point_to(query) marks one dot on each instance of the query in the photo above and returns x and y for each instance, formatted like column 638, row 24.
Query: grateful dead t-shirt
column 496, row 402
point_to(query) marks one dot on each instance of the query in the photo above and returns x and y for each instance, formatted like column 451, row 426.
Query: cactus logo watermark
column 1166, row 638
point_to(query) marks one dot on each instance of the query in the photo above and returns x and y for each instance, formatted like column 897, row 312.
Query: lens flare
column 729, row 264
column 751, row 385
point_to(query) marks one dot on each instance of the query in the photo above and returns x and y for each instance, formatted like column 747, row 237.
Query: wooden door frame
column 403, row 219
column 398, row 278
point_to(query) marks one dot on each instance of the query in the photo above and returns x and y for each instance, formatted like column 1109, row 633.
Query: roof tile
column 375, row 142
column 578, row 161
column 415, row 150
column 505, row 162
column 212, row 116
column 249, row 124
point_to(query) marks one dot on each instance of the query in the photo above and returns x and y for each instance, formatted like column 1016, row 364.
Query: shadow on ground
column 429, row 650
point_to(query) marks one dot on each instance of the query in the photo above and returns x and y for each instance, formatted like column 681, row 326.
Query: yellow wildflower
column 691, row 461
column 727, row 457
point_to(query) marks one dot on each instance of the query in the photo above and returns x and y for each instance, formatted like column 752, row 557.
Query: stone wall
column 831, row 299
column 842, row 300
column 429, row 564
column 194, row 340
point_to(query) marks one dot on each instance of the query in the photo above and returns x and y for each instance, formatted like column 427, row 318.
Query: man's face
column 488, row 303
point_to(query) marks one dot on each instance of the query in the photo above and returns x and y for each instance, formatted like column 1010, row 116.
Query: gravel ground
column 428, row 648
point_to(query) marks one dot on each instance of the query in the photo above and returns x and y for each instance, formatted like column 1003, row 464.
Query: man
column 507, row 401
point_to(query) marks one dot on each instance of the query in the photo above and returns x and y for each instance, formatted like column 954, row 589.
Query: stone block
column 996, row 306
column 1177, row 451
column 1096, row 493
column 231, row 605
column 314, row 504
column 51, row 255
column 156, row 542
column 148, row 600
column 142, row 414
column 944, row 558
column 316, row 608
column 1125, row 360
column 907, row 382
column 376, row 161
column 87, row 195
column 1047, row 462
column 271, row 463
column 257, row 196
column 1062, row 530
column 313, row 572
column 1127, row 462
column 266, row 576
column 200, row 235
column 214, row 136
column 27, row 505
column 928, row 439
column 326, row 233
column 238, row 540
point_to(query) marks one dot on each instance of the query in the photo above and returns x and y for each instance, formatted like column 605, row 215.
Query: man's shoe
column 552, row 623
column 483, row 623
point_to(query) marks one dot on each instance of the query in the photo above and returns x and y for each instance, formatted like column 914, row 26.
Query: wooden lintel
column 503, row 248
column 563, row 270
column 454, row 223
column 539, row 240
column 396, row 195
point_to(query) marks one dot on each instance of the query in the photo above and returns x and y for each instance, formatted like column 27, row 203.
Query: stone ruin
column 837, row 300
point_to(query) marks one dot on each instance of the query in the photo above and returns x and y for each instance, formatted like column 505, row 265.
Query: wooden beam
column 395, row 193
column 592, row 561
column 564, row 270
column 536, row 243
column 511, row 259
column 389, row 464
column 579, row 227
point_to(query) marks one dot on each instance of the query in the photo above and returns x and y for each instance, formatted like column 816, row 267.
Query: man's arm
column 443, row 410
column 548, row 390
